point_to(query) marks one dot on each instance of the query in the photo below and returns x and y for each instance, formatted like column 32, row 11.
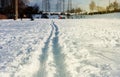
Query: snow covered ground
column 60, row 48
column 91, row 47
column 100, row 16
column 20, row 46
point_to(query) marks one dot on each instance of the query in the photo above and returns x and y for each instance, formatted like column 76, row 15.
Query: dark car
column 44, row 16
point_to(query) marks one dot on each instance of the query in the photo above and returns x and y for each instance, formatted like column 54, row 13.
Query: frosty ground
column 60, row 48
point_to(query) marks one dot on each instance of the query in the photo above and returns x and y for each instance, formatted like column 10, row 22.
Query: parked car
column 62, row 17
column 44, row 16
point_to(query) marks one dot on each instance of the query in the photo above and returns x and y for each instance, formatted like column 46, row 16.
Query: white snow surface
column 100, row 16
column 60, row 48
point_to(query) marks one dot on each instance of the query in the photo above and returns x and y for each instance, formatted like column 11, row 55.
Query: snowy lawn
column 60, row 48
column 20, row 46
column 91, row 47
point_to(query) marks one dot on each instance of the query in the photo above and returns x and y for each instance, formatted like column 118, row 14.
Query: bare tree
column 25, row 1
column 19, row 6
column 113, row 6
column 116, row 6
column 92, row 6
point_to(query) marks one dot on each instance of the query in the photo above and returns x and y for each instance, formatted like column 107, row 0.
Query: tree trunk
column 16, row 9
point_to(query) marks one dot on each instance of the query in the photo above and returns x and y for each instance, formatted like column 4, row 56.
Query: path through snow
column 43, row 58
column 57, row 55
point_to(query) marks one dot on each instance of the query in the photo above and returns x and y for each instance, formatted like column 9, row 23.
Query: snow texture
column 60, row 48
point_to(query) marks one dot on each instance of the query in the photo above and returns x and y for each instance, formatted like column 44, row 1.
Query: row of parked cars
column 46, row 16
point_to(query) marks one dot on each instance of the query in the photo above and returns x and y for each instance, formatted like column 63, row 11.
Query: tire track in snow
column 58, row 56
column 43, row 58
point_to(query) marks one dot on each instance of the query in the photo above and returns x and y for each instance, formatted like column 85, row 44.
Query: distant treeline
column 96, row 9
column 23, row 9
column 102, row 12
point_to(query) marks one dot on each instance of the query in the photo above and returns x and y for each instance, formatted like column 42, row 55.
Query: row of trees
column 75, row 10
column 114, row 6
column 23, row 9
column 10, row 7
column 94, row 8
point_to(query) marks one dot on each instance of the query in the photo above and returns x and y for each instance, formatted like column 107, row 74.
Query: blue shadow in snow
column 42, row 72
column 58, row 56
